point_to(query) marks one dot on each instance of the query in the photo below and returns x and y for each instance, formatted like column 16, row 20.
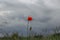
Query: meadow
column 15, row 36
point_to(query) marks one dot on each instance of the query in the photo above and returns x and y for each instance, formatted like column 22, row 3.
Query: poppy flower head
column 29, row 18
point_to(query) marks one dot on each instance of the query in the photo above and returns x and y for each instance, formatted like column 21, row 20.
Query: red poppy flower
column 29, row 18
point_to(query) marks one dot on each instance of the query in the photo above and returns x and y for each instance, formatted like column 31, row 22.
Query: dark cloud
column 43, row 12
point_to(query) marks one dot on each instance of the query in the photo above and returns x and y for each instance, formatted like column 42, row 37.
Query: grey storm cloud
column 45, row 13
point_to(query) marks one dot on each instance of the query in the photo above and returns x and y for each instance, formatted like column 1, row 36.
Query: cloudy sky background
column 13, row 14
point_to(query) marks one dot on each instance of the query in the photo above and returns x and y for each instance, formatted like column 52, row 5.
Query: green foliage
column 15, row 36
column 38, row 36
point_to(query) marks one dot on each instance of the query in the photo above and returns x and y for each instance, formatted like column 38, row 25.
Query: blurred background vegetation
column 32, row 36
column 15, row 36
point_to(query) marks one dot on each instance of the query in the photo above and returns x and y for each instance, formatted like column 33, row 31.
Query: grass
column 16, row 37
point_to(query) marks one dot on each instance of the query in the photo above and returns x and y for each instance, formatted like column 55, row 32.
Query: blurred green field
column 16, row 37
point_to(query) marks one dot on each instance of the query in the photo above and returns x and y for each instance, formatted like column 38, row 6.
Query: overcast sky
column 13, row 14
